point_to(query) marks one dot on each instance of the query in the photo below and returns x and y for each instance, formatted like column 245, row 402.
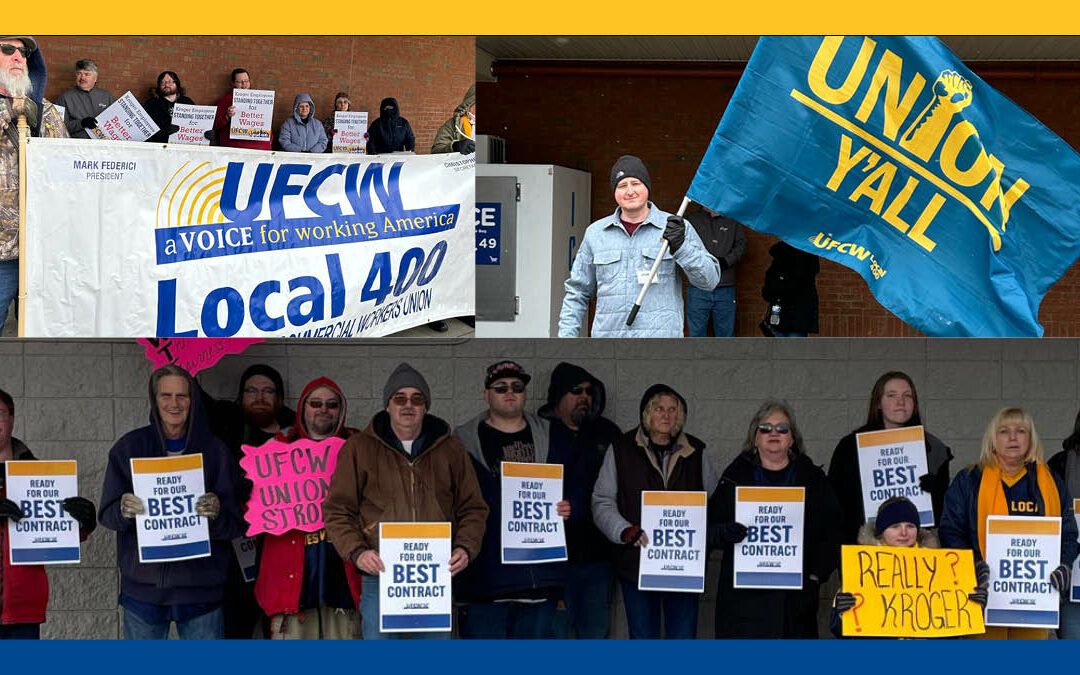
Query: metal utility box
column 530, row 220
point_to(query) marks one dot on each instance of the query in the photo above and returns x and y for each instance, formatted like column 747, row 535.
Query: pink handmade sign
column 291, row 480
column 193, row 354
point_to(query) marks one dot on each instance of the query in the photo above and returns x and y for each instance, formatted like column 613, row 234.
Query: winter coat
column 390, row 132
column 281, row 575
column 1066, row 464
column 160, row 110
column 24, row 589
column 196, row 581
column 451, row 130
column 299, row 135
column 847, row 481
column 790, row 283
column 79, row 104
column 606, row 266
column 487, row 577
column 723, row 239
column 376, row 480
column 775, row 613
column 223, row 123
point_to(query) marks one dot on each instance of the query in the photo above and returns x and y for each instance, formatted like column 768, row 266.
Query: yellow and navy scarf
column 992, row 501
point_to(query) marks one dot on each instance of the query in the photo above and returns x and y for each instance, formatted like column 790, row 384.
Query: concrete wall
column 74, row 399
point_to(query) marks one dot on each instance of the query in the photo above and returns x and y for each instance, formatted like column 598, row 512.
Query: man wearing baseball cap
column 616, row 255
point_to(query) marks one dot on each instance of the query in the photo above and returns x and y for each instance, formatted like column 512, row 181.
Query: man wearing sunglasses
column 22, row 74
column 405, row 466
column 85, row 101
column 303, row 585
column 507, row 601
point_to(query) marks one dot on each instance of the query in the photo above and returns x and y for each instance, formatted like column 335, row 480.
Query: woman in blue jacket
column 302, row 132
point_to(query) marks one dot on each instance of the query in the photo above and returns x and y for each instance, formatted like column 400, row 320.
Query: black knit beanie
column 629, row 166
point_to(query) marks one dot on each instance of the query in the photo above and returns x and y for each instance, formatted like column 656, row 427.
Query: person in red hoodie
column 225, row 111
column 303, row 585
column 24, row 589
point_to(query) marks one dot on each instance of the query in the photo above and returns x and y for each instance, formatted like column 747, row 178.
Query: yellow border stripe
column 166, row 464
column 529, row 470
column 770, row 494
column 664, row 498
column 1076, row 505
column 60, row 467
column 890, row 437
column 415, row 530
column 1025, row 526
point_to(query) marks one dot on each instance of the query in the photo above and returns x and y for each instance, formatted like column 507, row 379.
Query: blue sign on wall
column 488, row 233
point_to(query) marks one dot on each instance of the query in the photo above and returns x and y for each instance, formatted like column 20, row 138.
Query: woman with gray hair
column 773, row 455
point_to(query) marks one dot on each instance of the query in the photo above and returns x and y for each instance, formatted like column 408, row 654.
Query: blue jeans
column 1069, row 621
column 720, row 302
column 508, row 620
column 209, row 626
column 644, row 610
column 9, row 287
column 369, row 616
column 589, row 589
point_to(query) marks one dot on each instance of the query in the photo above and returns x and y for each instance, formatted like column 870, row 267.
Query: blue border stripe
column 38, row 555
column 926, row 518
column 659, row 581
column 786, row 579
column 1076, row 594
column 175, row 551
column 416, row 621
column 535, row 554
column 1021, row 616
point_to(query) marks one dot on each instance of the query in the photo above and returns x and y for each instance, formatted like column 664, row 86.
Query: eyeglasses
column 8, row 50
column 517, row 387
column 255, row 391
column 581, row 389
column 403, row 399
column 332, row 404
column 766, row 428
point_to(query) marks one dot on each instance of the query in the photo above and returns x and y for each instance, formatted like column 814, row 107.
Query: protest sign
column 532, row 531
column 1074, row 595
column 169, row 529
column 217, row 242
column 246, row 557
column 674, row 559
column 253, row 115
column 194, row 121
column 60, row 110
column 192, row 354
column 890, row 463
column 291, row 480
column 488, row 233
column 124, row 120
column 910, row 592
column 1022, row 552
column 414, row 590
column 46, row 534
column 771, row 555
column 350, row 132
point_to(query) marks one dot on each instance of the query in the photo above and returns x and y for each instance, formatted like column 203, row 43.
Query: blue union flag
column 889, row 156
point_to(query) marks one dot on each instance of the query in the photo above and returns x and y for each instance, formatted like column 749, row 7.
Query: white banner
column 771, row 555
column 350, row 132
column 532, row 531
column 414, row 590
column 169, row 529
column 194, row 121
column 253, row 114
column 139, row 240
column 890, row 464
column 1022, row 552
column 46, row 534
column 124, row 120
column 674, row 558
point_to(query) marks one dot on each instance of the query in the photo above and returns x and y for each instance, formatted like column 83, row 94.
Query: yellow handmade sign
column 910, row 592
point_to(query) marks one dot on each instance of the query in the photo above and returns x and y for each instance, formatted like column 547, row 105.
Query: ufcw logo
column 922, row 130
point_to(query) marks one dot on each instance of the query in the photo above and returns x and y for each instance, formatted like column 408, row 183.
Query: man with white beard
column 22, row 74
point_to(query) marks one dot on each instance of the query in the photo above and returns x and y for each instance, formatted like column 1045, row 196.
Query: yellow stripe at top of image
column 414, row 530
column 770, row 494
column 166, row 464
column 1014, row 525
column 530, row 470
column 664, row 498
column 60, row 467
column 890, row 436
column 563, row 17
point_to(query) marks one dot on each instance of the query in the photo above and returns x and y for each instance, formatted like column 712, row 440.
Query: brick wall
column 74, row 399
column 428, row 75
column 586, row 121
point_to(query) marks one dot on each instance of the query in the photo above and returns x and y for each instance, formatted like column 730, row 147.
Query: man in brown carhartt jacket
column 404, row 467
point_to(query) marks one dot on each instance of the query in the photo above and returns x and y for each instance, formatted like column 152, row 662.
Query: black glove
column 926, row 482
column 9, row 509
column 89, row 123
column 209, row 135
column 1059, row 578
column 732, row 533
column 465, row 146
column 82, row 510
column 675, row 232
column 979, row 596
column 843, row 601
column 173, row 128
column 982, row 574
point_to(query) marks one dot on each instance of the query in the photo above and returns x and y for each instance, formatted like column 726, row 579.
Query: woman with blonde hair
column 1011, row 479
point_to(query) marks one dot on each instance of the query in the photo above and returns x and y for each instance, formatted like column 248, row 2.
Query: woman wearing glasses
column 773, row 456
column 894, row 403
